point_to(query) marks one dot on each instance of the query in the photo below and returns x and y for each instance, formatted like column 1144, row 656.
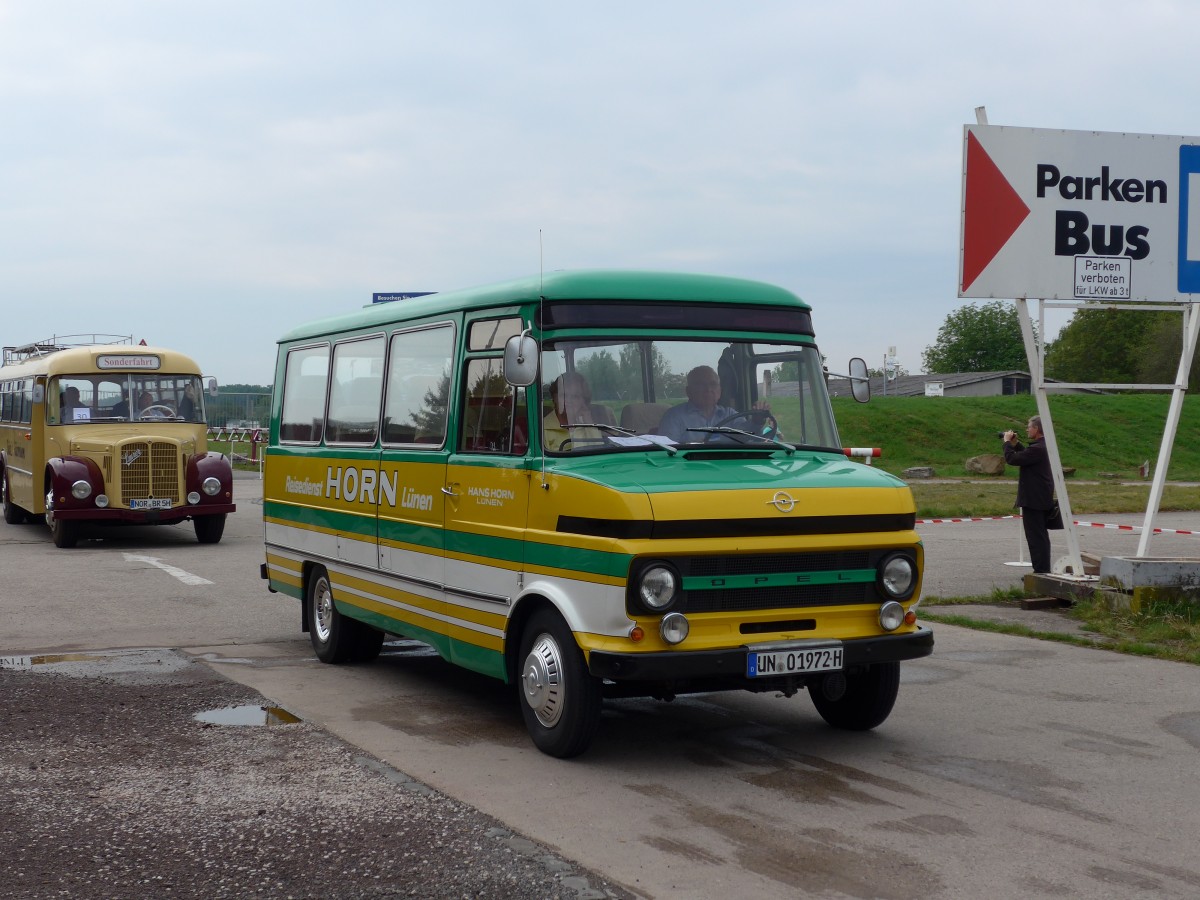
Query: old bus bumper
column 684, row 665
column 146, row 516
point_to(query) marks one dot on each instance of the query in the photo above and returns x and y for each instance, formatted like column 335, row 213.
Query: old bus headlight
column 81, row 490
column 891, row 616
column 193, row 497
column 211, row 486
column 674, row 628
column 657, row 587
column 898, row 576
column 102, row 501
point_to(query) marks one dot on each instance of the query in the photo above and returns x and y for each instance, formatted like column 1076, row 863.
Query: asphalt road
column 1009, row 767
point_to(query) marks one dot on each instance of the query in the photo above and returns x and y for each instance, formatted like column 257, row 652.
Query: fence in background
column 238, row 411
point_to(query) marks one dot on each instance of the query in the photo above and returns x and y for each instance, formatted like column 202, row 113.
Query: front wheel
column 337, row 638
column 64, row 531
column 858, row 701
column 560, row 700
column 209, row 528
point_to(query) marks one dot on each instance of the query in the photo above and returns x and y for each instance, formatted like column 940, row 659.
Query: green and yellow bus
column 591, row 485
column 107, row 434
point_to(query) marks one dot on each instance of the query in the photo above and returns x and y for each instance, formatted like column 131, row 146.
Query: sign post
column 1084, row 219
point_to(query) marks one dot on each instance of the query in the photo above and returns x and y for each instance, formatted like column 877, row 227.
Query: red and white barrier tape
column 1136, row 528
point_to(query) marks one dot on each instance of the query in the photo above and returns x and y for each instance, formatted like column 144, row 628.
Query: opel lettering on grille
column 130, row 458
column 782, row 501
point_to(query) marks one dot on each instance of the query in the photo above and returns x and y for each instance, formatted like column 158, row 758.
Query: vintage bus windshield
column 111, row 397
column 598, row 394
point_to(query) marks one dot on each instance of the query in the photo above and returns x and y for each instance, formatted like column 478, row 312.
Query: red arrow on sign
column 992, row 211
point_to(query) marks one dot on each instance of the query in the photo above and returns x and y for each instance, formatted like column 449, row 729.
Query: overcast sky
column 206, row 175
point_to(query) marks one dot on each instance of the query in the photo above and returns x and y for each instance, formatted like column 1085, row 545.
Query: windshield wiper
column 625, row 432
column 725, row 429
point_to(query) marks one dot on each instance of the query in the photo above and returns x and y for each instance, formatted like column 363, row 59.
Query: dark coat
column 1035, row 483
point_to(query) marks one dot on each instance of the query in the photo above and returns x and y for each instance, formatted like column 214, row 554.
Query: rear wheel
column 860, row 700
column 209, row 528
column 13, row 514
column 337, row 638
column 560, row 699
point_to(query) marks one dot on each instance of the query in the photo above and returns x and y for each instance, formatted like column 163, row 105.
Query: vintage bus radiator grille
column 149, row 469
column 777, row 596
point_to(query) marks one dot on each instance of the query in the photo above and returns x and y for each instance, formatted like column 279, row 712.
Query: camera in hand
column 1001, row 434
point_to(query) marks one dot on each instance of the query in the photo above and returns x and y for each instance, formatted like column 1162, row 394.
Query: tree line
column 1101, row 346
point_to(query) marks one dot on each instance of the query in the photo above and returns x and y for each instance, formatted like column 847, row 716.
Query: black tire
column 209, row 528
column 13, row 514
column 559, row 698
column 65, row 533
column 867, row 701
column 336, row 638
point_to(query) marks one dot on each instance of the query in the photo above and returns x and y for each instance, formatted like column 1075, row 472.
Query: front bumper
column 686, row 665
column 145, row 516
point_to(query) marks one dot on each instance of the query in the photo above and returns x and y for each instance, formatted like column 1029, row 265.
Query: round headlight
column 674, row 628
column 211, row 486
column 81, row 490
column 193, row 497
column 898, row 575
column 102, row 501
column 657, row 587
column 891, row 616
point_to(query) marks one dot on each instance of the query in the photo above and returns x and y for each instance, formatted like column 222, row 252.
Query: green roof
column 583, row 285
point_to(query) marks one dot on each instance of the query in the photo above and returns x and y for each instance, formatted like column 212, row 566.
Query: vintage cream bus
column 591, row 485
column 107, row 434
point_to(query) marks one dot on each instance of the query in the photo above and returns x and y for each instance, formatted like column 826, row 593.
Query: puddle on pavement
column 249, row 714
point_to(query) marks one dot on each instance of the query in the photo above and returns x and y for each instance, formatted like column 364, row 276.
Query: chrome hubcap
column 541, row 681
column 323, row 610
column 50, row 509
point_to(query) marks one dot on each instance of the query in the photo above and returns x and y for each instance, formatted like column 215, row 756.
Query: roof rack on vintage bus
column 14, row 355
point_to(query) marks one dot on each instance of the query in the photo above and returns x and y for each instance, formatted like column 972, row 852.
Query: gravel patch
column 111, row 787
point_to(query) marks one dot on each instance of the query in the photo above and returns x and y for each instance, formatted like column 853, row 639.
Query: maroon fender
column 210, row 465
column 64, row 471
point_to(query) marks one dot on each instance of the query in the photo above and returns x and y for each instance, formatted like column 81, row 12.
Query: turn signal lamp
column 636, row 634
column 910, row 618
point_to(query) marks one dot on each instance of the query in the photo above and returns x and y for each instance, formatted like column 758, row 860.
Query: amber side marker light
column 636, row 634
column 910, row 618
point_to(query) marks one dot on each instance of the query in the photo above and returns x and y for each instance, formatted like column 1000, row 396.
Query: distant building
column 953, row 384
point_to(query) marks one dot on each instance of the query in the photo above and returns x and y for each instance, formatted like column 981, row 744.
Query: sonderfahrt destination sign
column 1079, row 215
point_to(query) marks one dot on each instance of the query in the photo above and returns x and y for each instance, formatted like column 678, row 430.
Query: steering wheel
column 762, row 423
column 166, row 411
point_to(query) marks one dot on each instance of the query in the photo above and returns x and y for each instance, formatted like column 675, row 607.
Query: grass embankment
column 1101, row 436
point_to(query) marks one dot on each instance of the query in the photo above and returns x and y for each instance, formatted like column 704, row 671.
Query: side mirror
column 212, row 387
column 521, row 360
column 860, row 384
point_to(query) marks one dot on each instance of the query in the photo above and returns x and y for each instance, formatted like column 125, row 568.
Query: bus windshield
column 102, row 398
column 597, row 395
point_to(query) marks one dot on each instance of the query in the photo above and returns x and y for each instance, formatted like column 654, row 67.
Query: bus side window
column 418, row 390
column 354, row 396
column 491, row 406
column 302, row 418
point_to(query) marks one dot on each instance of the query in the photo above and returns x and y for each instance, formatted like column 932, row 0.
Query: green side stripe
column 469, row 656
column 779, row 579
column 512, row 550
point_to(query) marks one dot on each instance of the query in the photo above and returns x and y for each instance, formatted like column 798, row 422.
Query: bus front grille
column 149, row 469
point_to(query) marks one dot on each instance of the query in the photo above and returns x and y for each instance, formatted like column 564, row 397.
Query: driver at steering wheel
column 702, row 409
